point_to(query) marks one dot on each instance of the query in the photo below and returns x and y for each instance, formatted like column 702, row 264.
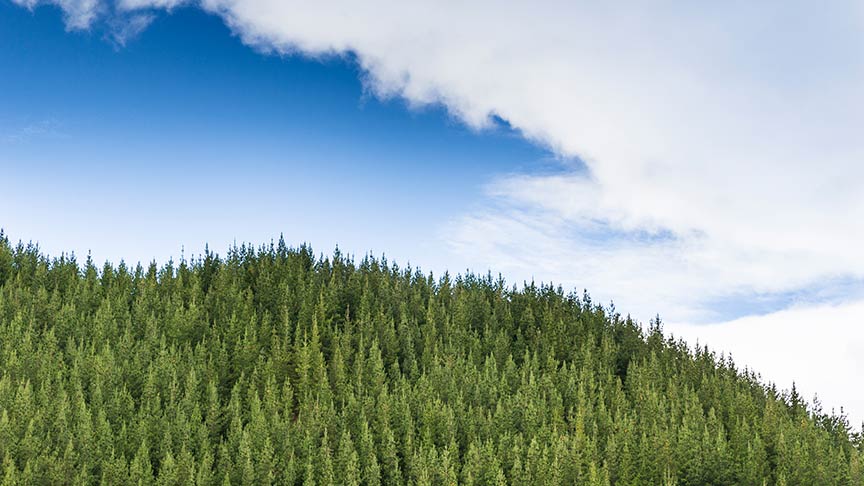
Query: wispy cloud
column 122, row 29
column 567, row 228
column 121, row 21
column 43, row 128
column 79, row 14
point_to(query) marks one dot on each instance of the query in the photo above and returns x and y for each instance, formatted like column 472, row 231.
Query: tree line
column 273, row 366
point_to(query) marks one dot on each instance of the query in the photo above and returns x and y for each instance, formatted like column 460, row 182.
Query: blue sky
column 185, row 135
column 697, row 160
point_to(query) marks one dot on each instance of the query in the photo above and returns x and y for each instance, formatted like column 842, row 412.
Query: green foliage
column 271, row 366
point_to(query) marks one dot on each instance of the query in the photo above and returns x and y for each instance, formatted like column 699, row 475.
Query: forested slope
column 273, row 366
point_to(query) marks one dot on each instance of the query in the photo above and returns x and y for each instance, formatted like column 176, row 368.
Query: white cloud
column 722, row 139
column 79, row 14
column 128, row 27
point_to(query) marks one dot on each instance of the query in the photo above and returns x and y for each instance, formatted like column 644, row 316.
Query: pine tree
column 347, row 462
column 325, row 462
column 141, row 470
column 370, row 469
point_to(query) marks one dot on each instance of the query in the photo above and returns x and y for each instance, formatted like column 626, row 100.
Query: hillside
column 273, row 366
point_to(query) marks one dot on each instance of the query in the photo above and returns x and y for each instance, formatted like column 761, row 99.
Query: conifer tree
column 347, row 462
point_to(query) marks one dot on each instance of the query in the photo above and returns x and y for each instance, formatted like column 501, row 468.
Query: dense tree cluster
column 272, row 366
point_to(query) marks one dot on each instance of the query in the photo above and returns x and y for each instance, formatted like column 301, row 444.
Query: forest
column 271, row 365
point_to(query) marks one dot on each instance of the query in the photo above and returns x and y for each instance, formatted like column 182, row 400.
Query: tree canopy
column 273, row 366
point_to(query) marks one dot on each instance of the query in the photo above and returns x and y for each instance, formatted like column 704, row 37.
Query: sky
column 697, row 160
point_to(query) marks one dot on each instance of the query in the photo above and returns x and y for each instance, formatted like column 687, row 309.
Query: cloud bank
column 720, row 143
